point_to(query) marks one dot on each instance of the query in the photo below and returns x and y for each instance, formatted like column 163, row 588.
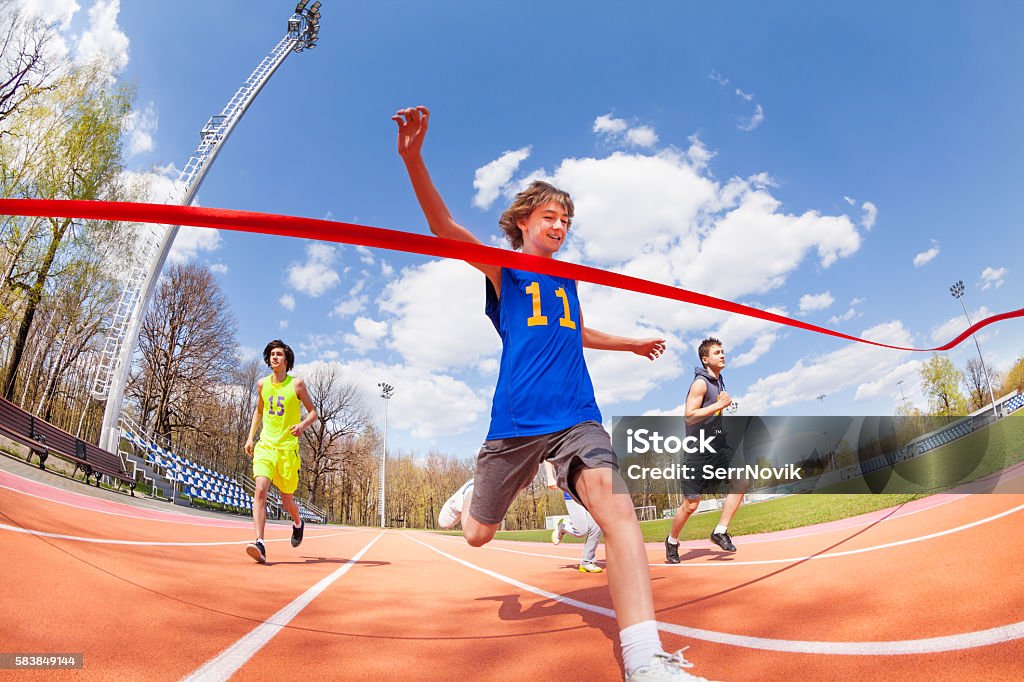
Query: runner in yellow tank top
column 275, row 459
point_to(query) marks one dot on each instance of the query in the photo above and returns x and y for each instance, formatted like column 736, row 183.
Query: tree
column 977, row 384
column 941, row 381
column 187, row 342
column 25, row 70
column 1014, row 381
column 331, row 441
column 79, row 158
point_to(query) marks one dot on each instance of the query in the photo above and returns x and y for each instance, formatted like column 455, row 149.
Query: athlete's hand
column 650, row 348
column 297, row 430
column 724, row 399
column 249, row 447
column 412, row 128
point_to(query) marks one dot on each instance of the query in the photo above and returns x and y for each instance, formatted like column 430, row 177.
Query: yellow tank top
column 281, row 411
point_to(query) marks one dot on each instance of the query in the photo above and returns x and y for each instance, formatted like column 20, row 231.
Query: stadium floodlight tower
column 153, row 245
column 957, row 290
column 386, row 391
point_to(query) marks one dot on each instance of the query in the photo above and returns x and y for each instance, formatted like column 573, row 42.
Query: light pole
column 958, row 293
column 385, row 392
column 900, row 384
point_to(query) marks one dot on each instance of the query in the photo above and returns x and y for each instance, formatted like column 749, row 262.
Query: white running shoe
column 590, row 567
column 664, row 666
column 559, row 531
column 451, row 510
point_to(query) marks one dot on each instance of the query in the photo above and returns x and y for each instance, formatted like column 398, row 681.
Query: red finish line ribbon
column 394, row 240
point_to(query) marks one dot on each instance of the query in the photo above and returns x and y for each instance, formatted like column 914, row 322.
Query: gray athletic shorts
column 507, row 465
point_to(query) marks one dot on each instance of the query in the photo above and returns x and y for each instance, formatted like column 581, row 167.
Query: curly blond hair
column 537, row 194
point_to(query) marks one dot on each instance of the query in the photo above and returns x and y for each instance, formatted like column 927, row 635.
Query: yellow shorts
column 280, row 465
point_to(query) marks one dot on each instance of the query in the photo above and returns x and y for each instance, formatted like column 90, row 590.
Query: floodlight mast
column 155, row 242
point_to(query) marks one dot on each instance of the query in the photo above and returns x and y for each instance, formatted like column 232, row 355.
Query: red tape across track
column 349, row 233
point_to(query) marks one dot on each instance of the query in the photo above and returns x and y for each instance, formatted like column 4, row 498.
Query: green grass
column 1002, row 445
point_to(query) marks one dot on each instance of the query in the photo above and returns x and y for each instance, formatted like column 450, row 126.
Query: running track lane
column 161, row 612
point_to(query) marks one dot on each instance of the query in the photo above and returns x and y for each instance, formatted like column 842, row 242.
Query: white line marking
column 831, row 555
column 967, row 640
column 184, row 519
column 228, row 662
column 149, row 543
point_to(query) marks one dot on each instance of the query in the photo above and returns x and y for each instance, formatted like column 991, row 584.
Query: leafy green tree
column 940, row 381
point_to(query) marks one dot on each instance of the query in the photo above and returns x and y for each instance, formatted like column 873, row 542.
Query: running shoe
column 664, row 666
column 257, row 551
column 451, row 511
column 671, row 552
column 558, row 532
column 297, row 533
column 590, row 567
column 724, row 541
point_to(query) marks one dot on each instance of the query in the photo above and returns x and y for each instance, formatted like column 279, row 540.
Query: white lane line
column 184, row 519
column 229, row 661
column 790, row 560
column 149, row 543
column 930, row 645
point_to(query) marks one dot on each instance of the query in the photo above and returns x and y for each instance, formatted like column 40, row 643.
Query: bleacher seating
column 199, row 481
column 1013, row 404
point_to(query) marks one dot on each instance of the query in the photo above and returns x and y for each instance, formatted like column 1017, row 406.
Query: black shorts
column 507, row 465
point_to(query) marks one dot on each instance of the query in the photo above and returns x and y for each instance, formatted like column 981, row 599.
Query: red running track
column 930, row 591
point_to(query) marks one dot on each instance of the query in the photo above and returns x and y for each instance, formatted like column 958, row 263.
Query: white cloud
column 139, row 127
column 491, row 178
column 104, row 39
column 952, row 327
column 287, row 302
column 59, row 12
column 845, row 317
column 811, row 302
column 761, row 346
column 993, row 277
column 617, row 130
column 366, row 256
column 642, row 136
column 718, row 78
column 908, row 372
column 927, row 256
column 608, row 125
column 869, row 215
column 316, row 275
column 849, row 200
column 439, row 320
column 414, row 405
column 367, row 336
column 352, row 303
column 745, row 95
column 619, row 376
column 219, row 268
column 754, row 121
column 190, row 241
column 282, row 324
column 829, row 373
column 386, row 270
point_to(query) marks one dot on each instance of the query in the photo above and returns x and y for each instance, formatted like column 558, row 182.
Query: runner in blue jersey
column 544, row 407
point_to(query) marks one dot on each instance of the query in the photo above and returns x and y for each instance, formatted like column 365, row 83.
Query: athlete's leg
column 630, row 581
column 259, row 505
column 687, row 508
column 732, row 503
column 288, row 502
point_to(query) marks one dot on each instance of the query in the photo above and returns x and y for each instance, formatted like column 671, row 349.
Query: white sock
column 721, row 529
column 639, row 642
column 672, row 540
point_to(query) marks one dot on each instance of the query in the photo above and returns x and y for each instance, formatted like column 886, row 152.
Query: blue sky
column 841, row 164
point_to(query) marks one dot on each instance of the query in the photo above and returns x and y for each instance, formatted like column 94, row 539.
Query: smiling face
column 545, row 229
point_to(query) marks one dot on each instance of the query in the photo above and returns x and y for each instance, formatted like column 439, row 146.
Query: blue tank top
column 543, row 382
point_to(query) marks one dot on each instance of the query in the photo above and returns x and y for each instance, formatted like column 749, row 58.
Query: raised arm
column 412, row 129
